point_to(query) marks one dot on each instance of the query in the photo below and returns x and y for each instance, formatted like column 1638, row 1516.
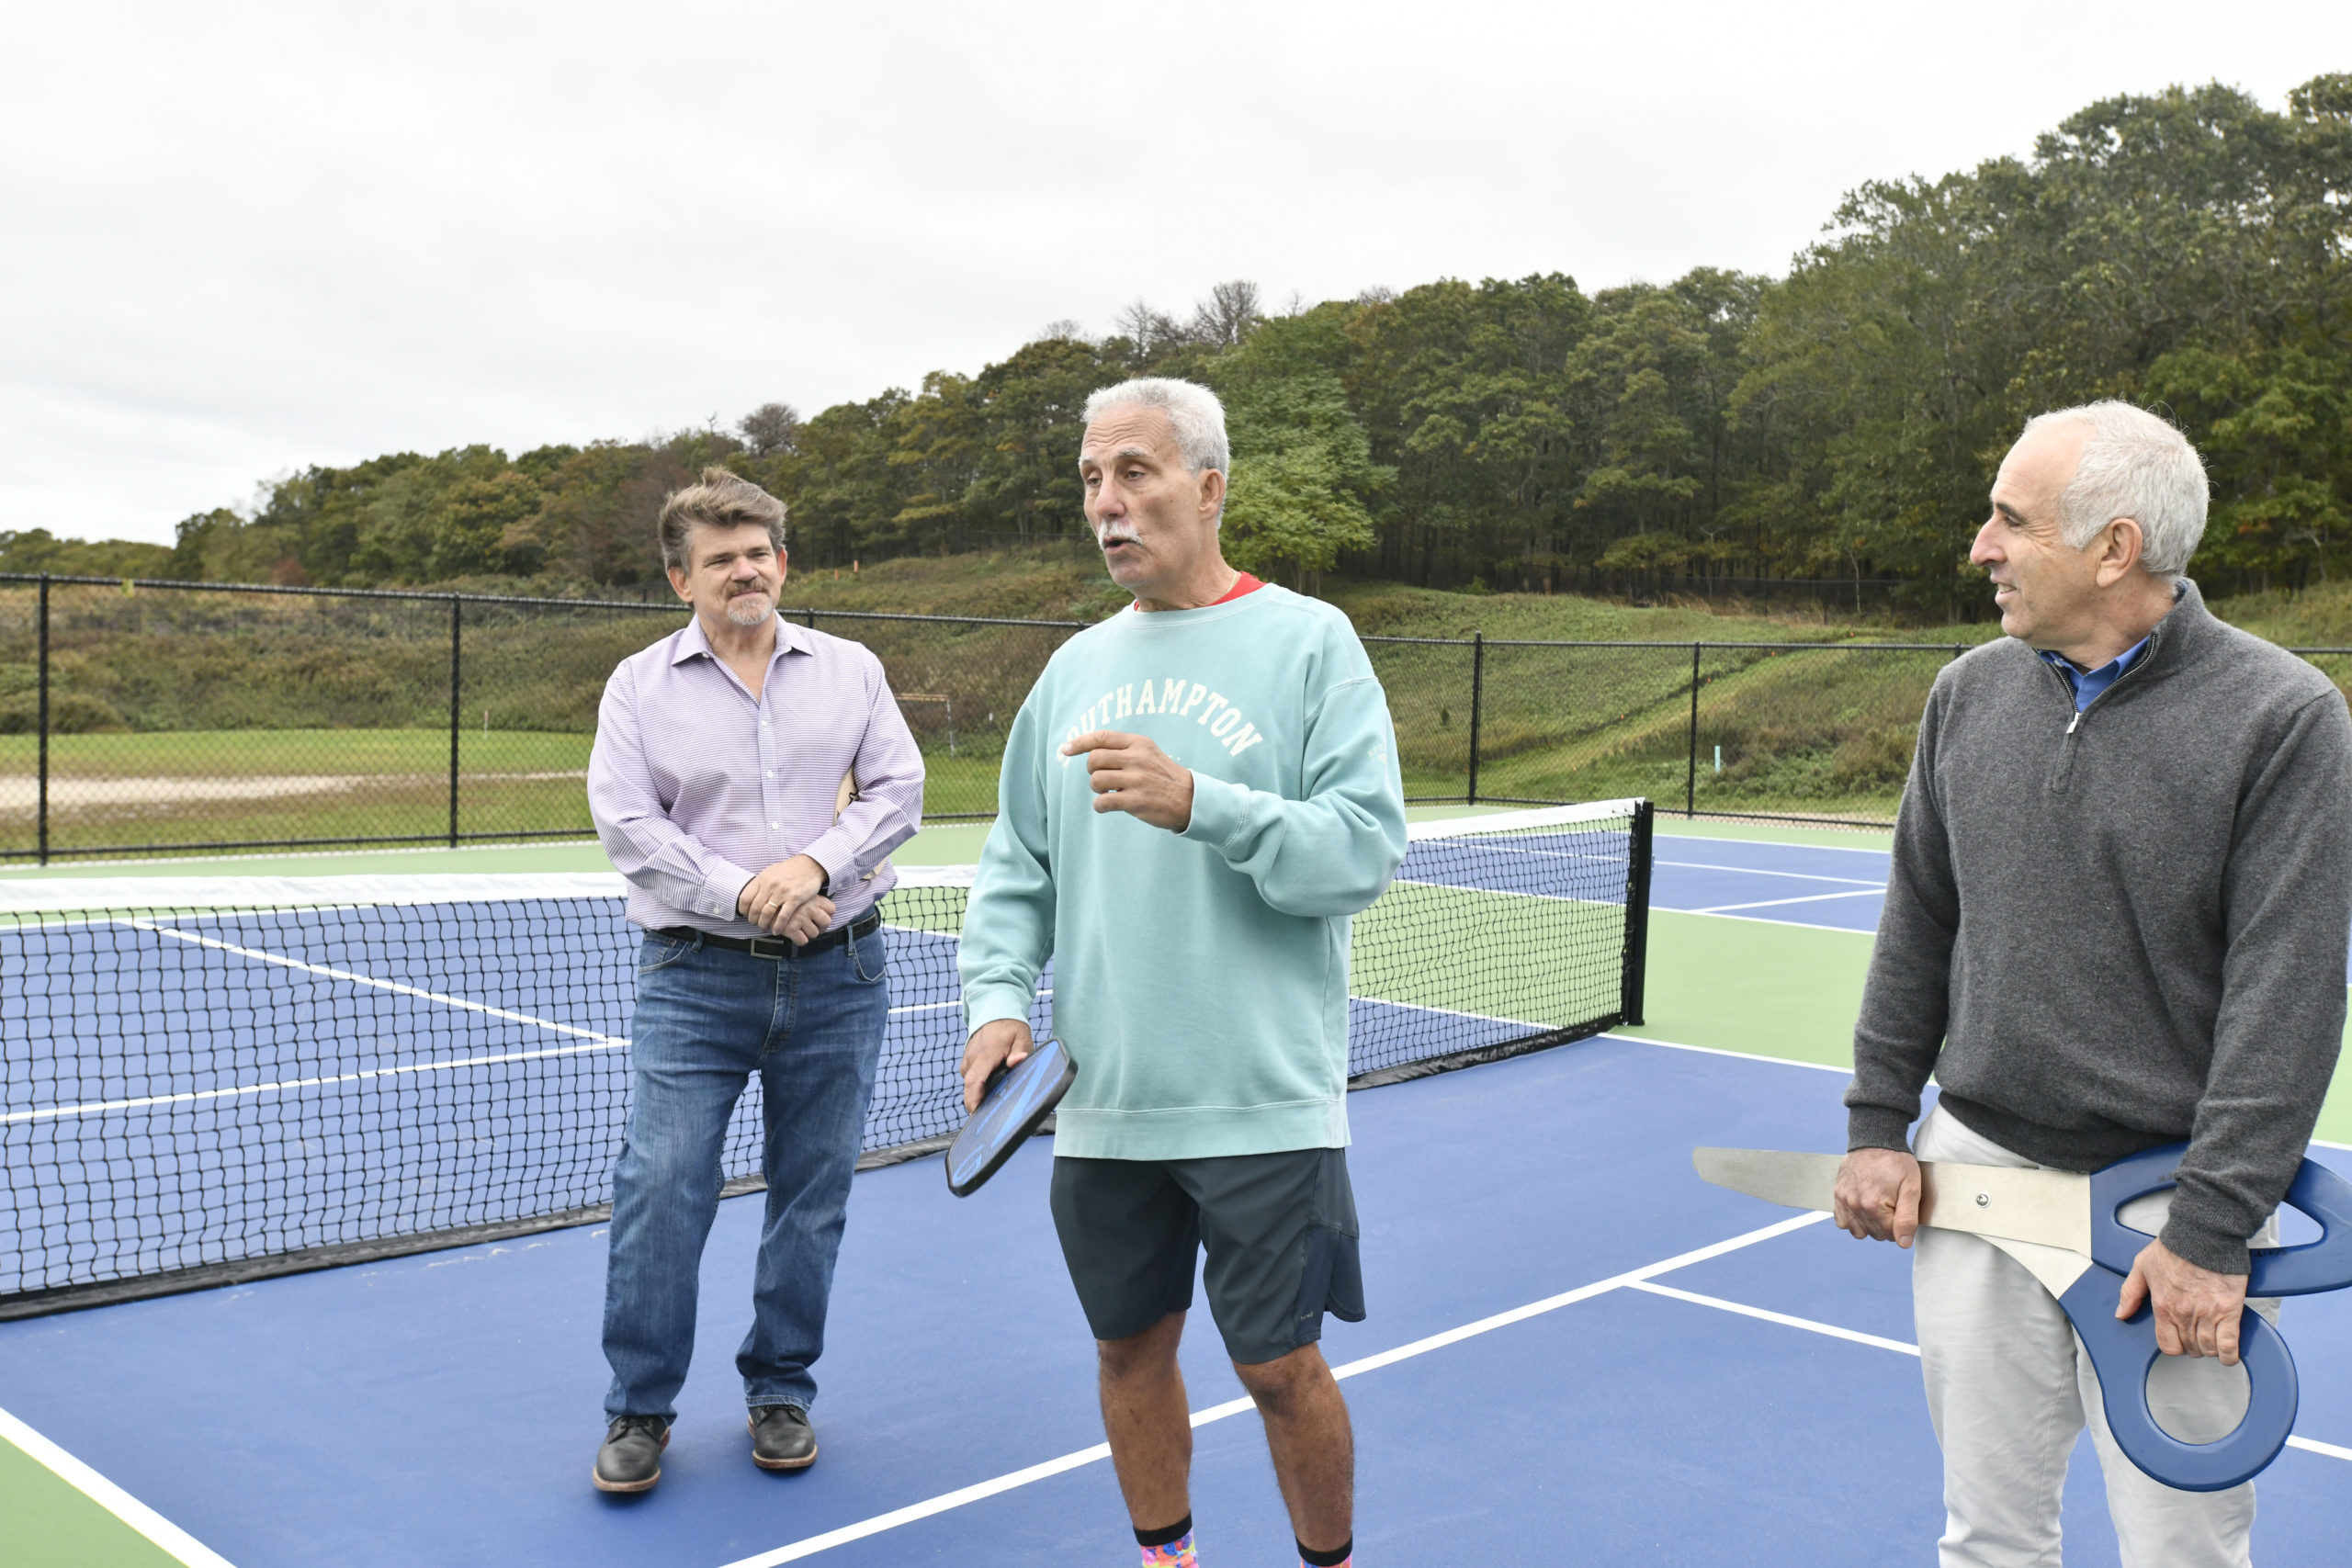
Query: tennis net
column 215, row 1080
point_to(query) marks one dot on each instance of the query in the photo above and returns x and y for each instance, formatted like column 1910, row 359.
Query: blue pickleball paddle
column 1018, row 1098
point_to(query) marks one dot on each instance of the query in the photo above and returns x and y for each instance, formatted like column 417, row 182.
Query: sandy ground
column 19, row 792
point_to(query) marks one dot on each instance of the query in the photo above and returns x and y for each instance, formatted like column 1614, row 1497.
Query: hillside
column 1067, row 582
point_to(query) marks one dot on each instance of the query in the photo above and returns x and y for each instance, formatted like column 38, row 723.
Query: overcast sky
column 241, row 238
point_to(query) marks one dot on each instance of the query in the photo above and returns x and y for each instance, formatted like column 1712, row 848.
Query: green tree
column 37, row 550
column 1303, row 481
column 472, row 522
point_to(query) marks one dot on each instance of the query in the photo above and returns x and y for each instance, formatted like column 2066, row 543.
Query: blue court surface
column 1803, row 885
column 1577, row 1350
column 199, row 1086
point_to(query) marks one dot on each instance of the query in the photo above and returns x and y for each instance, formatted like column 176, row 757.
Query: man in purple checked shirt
column 750, row 779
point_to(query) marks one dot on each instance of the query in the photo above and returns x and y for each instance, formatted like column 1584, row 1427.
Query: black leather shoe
column 782, row 1437
column 630, row 1459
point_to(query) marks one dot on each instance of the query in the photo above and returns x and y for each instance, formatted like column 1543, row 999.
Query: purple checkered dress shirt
column 695, row 786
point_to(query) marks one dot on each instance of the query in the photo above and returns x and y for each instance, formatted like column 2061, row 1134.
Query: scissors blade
column 2048, row 1208
column 1797, row 1180
column 2057, row 1268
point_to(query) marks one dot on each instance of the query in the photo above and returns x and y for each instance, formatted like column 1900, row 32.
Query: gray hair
column 720, row 499
column 2134, row 464
column 1192, row 411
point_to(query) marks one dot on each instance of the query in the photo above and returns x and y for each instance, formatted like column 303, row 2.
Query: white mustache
column 1116, row 533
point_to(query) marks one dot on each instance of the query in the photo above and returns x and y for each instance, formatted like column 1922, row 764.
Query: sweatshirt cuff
column 2192, row 1241
column 1874, row 1127
column 1220, row 811
column 987, row 1003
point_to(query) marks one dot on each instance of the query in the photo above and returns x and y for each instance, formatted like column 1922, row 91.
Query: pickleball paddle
column 1018, row 1098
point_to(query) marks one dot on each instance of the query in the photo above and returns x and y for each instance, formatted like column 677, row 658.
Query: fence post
column 40, row 722
column 1690, row 779
column 1477, row 701
column 456, row 665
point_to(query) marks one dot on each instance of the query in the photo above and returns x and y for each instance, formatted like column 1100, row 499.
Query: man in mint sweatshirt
column 1196, row 797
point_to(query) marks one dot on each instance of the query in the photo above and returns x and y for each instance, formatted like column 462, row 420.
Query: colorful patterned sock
column 1170, row 1548
column 1343, row 1557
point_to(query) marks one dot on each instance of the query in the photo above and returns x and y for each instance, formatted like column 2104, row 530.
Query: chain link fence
column 155, row 718
column 143, row 717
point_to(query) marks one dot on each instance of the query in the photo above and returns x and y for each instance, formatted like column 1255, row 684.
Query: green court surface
column 45, row 1523
column 1723, row 984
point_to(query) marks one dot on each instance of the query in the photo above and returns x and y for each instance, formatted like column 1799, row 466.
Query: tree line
column 2190, row 250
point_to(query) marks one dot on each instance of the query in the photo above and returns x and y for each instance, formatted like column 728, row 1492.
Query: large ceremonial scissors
column 2063, row 1228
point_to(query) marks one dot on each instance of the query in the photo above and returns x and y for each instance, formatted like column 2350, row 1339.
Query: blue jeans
column 707, row 1017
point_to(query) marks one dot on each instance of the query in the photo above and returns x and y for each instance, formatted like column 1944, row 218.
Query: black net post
column 456, row 668
column 1691, row 776
column 1637, row 914
column 1478, row 701
column 40, row 720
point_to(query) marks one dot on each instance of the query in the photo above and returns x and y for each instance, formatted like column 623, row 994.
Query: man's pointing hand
column 1130, row 773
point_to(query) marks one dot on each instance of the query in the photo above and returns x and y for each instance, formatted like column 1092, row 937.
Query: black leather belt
column 777, row 946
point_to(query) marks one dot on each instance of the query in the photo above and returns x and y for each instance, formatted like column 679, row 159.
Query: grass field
column 154, row 790
column 261, row 785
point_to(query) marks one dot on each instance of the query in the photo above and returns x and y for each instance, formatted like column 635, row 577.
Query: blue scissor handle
column 2300, row 1269
column 2123, row 1349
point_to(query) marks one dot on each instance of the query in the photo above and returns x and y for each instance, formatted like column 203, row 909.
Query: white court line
column 598, row 1042
column 259, row 956
column 1509, row 893
column 194, row 1096
column 2309, row 1445
column 1808, row 1325
column 1779, row 903
column 948, row 1501
column 107, row 1495
column 1663, row 831
column 1735, row 1055
column 1619, row 860
column 1816, row 1067
column 1766, row 920
column 1752, row 871
column 1452, row 1012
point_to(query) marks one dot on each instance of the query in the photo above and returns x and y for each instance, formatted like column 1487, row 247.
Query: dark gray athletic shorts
column 1280, row 1233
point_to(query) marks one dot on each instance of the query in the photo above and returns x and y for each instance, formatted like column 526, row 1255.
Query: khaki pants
column 2009, row 1387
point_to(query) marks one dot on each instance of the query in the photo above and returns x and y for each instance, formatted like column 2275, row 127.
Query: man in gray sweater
column 2117, row 917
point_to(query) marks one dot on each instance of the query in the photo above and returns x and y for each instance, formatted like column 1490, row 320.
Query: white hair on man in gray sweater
column 2136, row 465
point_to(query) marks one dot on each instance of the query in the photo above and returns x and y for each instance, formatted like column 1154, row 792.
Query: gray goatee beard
column 750, row 609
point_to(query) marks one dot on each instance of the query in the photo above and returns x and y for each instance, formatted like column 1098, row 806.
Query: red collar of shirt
column 1242, row 584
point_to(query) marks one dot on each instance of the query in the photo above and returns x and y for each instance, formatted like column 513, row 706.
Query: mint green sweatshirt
column 1201, row 977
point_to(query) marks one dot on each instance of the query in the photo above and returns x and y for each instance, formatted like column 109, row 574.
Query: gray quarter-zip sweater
column 2109, row 930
